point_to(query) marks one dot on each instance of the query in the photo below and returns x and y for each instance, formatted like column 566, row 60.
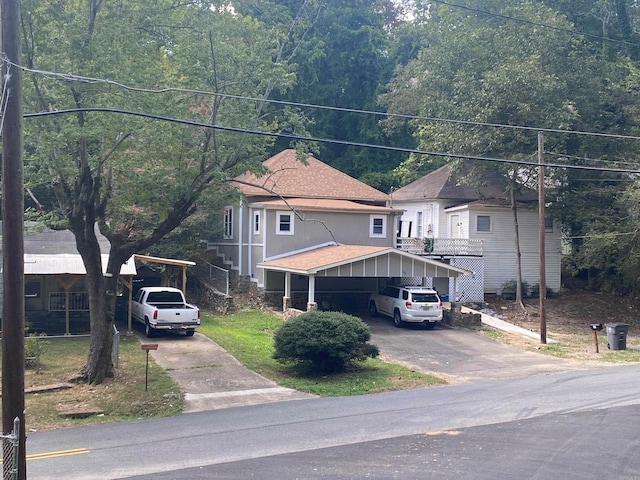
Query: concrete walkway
column 210, row 377
column 506, row 326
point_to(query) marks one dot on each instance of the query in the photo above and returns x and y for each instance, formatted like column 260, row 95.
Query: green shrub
column 535, row 291
column 509, row 290
column 325, row 342
column 34, row 348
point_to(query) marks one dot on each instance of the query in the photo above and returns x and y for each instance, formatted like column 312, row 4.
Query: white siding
column 429, row 218
column 500, row 249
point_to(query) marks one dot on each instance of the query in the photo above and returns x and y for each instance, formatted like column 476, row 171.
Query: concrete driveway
column 458, row 355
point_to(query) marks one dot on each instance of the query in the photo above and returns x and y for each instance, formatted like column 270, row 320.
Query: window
column 256, row 223
column 483, row 223
column 32, row 288
column 378, row 226
column 548, row 224
column 419, row 225
column 228, row 222
column 284, row 223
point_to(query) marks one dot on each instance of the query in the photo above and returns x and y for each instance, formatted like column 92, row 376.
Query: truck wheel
column 397, row 319
column 148, row 329
column 190, row 332
column 373, row 310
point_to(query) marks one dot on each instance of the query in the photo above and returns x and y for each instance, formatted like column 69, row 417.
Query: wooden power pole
column 12, row 233
column 541, row 248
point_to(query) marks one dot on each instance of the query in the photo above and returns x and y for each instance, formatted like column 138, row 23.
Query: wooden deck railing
column 440, row 246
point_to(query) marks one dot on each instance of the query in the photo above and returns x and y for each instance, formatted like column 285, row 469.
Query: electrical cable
column 325, row 140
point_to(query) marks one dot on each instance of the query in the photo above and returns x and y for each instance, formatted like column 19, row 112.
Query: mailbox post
column 146, row 347
column 596, row 327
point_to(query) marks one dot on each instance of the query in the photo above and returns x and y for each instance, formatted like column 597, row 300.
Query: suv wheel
column 373, row 310
column 397, row 319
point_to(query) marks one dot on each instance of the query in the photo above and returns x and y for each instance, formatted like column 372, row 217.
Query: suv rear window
column 424, row 297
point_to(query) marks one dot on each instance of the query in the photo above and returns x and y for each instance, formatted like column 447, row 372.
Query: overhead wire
column 324, row 140
column 85, row 79
column 537, row 24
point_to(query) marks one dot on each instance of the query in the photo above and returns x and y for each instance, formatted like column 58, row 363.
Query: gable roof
column 443, row 184
column 316, row 179
column 361, row 261
column 318, row 204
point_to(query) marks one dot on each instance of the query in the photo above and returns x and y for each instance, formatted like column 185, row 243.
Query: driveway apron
column 211, row 378
column 457, row 354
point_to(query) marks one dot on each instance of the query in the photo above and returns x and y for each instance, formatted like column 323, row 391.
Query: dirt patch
column 568, row 318
column 570, row 311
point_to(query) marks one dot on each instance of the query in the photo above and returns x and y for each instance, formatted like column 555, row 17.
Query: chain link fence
column 10, row 445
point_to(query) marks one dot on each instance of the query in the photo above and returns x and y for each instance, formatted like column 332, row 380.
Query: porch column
column 127, row 281
column 286, row 300
column 311, row 304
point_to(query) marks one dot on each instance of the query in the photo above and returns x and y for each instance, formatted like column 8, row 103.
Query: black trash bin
column 617, row 335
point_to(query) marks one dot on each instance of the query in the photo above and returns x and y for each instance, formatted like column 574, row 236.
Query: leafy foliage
column 324, row 341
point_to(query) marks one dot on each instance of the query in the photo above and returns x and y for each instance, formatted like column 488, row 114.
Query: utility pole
column 12, row 234
column 541, row 248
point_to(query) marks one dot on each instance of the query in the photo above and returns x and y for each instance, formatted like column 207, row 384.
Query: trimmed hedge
column 325, row 342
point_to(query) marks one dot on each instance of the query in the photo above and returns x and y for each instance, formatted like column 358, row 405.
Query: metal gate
column 10, row 445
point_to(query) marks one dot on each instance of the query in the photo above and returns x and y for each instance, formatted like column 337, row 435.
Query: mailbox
column 596, row 327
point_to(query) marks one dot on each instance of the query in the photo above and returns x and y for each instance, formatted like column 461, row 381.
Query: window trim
column 279, row 223
column 490, row 224
column 257, row 222
column 372, row 226
column 227, row 223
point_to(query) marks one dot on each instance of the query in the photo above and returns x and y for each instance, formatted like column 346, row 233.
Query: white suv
column 407, row 304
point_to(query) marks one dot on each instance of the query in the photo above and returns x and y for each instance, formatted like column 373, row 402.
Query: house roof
column 360, row 260
column 55, row 242
column 67, row 263
column 54, row 252
column 292, row 178
column 443, row 184
column 333, row 205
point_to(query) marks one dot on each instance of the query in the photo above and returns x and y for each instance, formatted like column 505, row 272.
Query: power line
column 537, row 24
column 324, row 140
column 79, row 78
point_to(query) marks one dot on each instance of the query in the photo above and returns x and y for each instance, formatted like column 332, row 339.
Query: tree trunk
column 99, row 365
column 516, row 228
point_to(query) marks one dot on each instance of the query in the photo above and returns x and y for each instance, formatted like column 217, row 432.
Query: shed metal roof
column 67, row 263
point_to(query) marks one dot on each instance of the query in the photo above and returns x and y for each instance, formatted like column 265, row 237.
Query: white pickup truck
column 164, row 308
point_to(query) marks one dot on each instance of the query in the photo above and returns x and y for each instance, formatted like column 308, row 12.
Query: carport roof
column 361, row 261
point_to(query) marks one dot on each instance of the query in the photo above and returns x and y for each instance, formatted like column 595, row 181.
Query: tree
column 134, row 178
column 479, row 69
column 348, row 56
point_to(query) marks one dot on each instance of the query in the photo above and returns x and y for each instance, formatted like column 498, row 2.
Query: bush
column 535, row 291
column 34, row 348
column 509, row 290
column 326, row 342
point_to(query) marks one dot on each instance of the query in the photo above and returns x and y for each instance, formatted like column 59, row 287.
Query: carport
column 353, row 261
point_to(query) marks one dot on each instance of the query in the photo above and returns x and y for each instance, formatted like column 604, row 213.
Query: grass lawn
column 248, row 336
column 121, row 398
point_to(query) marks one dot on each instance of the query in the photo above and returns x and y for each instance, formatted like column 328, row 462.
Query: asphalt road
column 566, row 425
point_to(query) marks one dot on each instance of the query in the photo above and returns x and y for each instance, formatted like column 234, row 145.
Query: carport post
column 286, row 300
column 311, row 304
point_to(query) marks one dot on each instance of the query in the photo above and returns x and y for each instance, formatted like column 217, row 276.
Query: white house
column 473, row 228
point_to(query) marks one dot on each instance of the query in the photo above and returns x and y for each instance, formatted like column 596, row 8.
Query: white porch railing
column 78, row 302
column 440, row 246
